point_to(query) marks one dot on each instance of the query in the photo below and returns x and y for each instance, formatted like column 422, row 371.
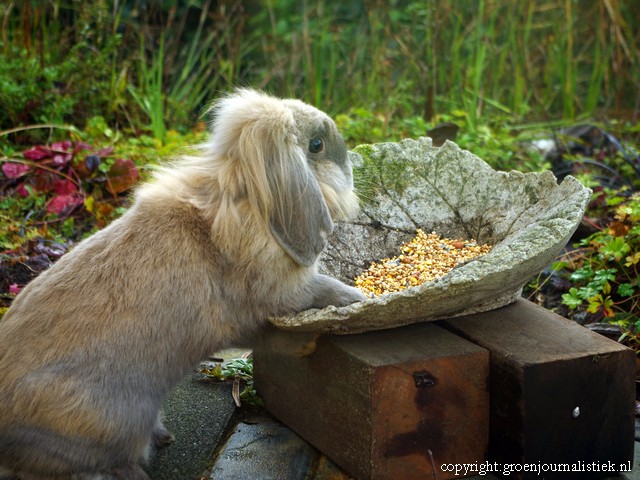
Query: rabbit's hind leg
column 6, row 474
column 161, row 437
column 42, row 454
column 126, row 472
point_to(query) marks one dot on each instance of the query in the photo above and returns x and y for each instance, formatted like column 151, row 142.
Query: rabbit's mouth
column 343, row 205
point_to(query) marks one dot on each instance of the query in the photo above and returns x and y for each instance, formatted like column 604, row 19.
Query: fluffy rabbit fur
column 211, row 247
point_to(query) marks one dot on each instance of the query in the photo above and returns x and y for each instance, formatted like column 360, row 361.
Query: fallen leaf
column 619, row 229
column 235, row 392
column 44, row 181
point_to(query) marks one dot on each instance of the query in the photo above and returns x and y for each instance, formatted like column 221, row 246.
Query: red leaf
column 63, row 204
column 37, row 153
column 22, row 191
column 62, row 146
column 65, row 187
column 14, row 170
column 122, row 175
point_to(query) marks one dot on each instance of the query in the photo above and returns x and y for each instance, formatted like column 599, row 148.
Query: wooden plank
column 382, row 405
column 560, row 394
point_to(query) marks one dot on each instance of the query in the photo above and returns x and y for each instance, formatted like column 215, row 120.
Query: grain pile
column 425, row 258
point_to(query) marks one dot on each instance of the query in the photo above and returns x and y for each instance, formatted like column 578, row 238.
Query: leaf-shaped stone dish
column 528, row 218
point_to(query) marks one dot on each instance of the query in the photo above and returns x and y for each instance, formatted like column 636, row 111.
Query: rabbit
column 212, row 246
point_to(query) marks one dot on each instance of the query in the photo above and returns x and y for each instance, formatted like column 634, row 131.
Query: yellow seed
column 426, row 257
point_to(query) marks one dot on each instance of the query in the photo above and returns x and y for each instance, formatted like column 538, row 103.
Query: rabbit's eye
column 316, row 145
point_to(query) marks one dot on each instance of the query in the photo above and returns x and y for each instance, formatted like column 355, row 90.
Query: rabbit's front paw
column 330, row 291
column 350, row 295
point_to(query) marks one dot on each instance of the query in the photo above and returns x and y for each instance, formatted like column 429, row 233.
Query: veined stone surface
column 527, row 217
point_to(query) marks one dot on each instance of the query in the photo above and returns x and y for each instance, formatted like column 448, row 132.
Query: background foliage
column 93, row 94
column 154, row 65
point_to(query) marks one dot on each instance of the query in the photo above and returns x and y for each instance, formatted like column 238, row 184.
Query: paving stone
column 198, row 415
column 262, row 448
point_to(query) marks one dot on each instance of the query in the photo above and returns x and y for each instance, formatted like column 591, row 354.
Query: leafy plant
column 240, row 371
column 150, row 92
column 497, row 142
column 360, row 126
column 29, row 93
column 603, row 271
column 58, row 63
column 48, row 183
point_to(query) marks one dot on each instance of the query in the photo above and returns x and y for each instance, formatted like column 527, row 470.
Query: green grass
column 156, row 68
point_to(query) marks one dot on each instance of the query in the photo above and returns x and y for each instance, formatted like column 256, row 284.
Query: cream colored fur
column 212, row 246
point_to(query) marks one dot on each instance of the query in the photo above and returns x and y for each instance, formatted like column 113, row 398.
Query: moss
column 364, row 150
column 379, row 172
column 364, row 175
column 531, row 193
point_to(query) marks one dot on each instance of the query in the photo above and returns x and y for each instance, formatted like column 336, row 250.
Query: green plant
column 149, row 94
column 193, row 67
column 30, row 93
column 52, row 71
column 239, row 370
column 363, row 126
column 503, row 146
column 198, row 53
column 67, row 61
column 604, row 270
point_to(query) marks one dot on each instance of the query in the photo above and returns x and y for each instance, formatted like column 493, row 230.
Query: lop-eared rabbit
column 212, row 246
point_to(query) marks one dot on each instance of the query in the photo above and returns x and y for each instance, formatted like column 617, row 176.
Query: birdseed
column 423, row 259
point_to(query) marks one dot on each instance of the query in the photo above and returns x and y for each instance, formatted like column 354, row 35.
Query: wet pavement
column 217, row 441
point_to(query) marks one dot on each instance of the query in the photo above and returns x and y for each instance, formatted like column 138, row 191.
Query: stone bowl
column 527, row 217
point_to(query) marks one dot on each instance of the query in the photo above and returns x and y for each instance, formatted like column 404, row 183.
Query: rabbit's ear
column 279, row 184
column 300, row 221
